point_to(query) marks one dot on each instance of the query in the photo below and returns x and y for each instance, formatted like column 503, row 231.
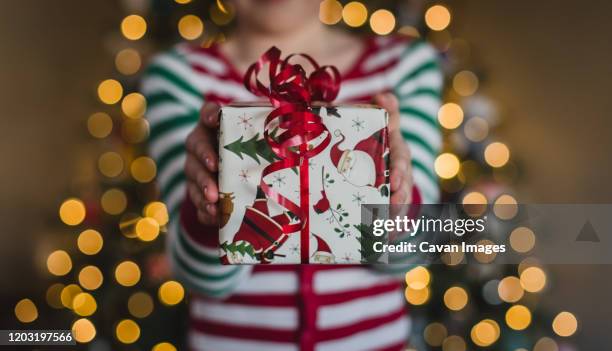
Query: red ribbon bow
column 291, row 91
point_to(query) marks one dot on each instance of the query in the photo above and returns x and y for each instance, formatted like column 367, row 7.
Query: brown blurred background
column 548, row 66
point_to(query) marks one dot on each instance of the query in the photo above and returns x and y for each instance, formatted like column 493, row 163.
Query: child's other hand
column 202, row 164
column 400, row 163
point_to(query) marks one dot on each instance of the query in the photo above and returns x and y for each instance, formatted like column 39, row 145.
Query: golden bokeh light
column 418, row 278
column 474, row 203
column 127, row 273
column 417, row 297
column 505, row 207
column 163, row 346
column 127, row 224
column 135, row 130
column 83, row 330
column 330, row 11
column 143, row 169
column 110, row 91
column 447, row 165
column 497, row 154
column 68, row 293
column 157, row 210
column 455, row 298
column 437, row 17
column 452, row 258
column 134, row 105
column 133, row 27
column 182, row 2
column 84, row 304
column 518, row 317
column 220, row 17
column 450, row 115
column 409, row 31
column 528, row 262
column 546, row 344
column 354, row 14
column 510, row 289
column 100, row 125
column 533, row 279
column 59, row 263
column 465, row 83
column 72, row 211
column 171, row 292
column 26, row 311
column 147, row 229
column 484, row 257
column 485, row 333
column 127, row 331
column 110, row 164
column 140, row 304
column 90, row 242
column 476, row 129
column 382, row 22
column 90, row 277
column 190, row 27
column 434, row 334
column 454, row 343
column 565, row 324
column 522, row 239
column 53, row 295
column 114, row 201
column 128, row 61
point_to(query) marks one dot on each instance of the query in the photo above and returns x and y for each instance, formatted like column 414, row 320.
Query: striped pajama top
column 287, row 307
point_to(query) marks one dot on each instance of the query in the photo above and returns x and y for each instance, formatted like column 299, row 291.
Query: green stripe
column 161, row 97
column 427, row 66
column 412, row 137
column 169, row 155
column 170, row 124
column 421, row 91
column 422, row 167
column 200, row 256
column 157, row 69
column 205, row 277
column 420, row 114
column 176, row 180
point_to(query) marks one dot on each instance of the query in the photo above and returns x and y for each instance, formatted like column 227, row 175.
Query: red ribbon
column 291, row 92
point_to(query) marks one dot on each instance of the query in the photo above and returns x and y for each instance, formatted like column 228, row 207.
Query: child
column 286, row 307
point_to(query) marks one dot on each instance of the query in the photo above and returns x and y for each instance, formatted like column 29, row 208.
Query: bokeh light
column 143, row 169
column 110, row 91
column 157, row 210
column 465, row 83
column 454, row 343
column 133, row 27
column 505, row 207
column 434, row 334
column 84, row 304
column 26, row 311
column 113, row 201
column 484, row 257
column 83, row 330
column 147, row 229
column 497, row 154
column 354, row 14
column 518, row 317
column 485, row 333
column 128, row 61
column 140, row 304
column 447, row 165
column 190, row 27
column 90, row 277
column 110, row 164
column 53, row 295
column 455, row 298
column 171, row 292
column 90, row 242
column 127, row 331
column 546, row 344
column 450, row 115
column 533, row 279
column 382, row 22
column 417, row 297
column 476, row 129
column 418, row 278
column 522, row 239
column 72, row 211
column 565, row 324
column 68, row 293
column 163, row 346
column 510, row 289
column 59, row 263
column 127, row 273
column 134, row 105
column 220, row 17
column 437, row 17
column 474, row 203
column 135, row 130
column 100, row 125
column 330, row 11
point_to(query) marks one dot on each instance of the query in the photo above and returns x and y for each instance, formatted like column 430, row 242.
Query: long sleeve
column 417, row 82
column 174, row 99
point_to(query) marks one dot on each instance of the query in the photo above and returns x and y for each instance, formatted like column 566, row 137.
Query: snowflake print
column 278, row 180
column 294, row 248
column 244, row 175
column 358, row 124
column 358, row 198
column 245, row 121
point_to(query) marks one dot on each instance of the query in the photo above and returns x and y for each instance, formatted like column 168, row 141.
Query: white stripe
column 165, row 142
column 385, row 335
column 279, row 318
column 357, row 310
column 175, row 198
column 383, row 57
column 338, row 280
column 206, row 342
column 419, row 153
column 171, row 169
column 365, row 86
column 412, row 60
column 203, row 59
column 165, row 111
column 152, row 84
column 203, row 250
column 201, row 267
column 422, row 129
column 429, row 189
column 262, row 283
column 427, row 79
column 425, row 103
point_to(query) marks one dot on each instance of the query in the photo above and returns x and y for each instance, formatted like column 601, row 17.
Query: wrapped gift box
column 350, row 171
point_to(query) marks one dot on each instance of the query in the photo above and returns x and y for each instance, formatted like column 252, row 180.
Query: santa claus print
column 323, row 253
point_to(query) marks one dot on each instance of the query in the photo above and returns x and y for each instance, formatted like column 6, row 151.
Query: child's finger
column 389, row 102
column 209, row 115
column 199, row 143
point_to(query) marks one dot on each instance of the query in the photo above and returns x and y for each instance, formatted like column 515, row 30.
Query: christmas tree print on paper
column 256, row 148
column 367, row 239
column 243, row 248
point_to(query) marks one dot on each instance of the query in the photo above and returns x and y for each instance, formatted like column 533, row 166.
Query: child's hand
column 400, row 163
column 202, row 164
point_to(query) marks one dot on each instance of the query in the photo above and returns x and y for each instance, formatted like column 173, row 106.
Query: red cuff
column 198, row 232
